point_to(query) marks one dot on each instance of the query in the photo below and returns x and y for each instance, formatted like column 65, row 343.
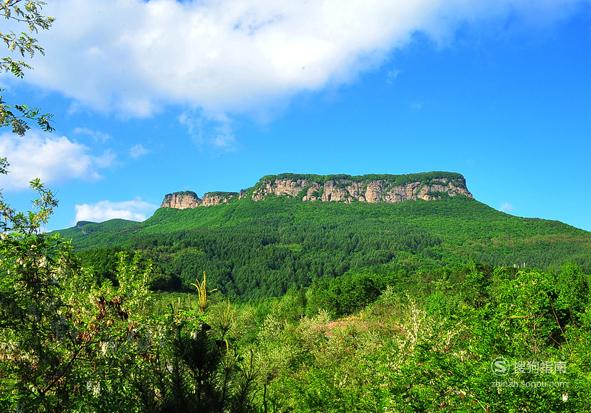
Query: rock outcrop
column 216, row 198
column 189, row 199
column 335, row 188
column 370, row 188
column 181, row 200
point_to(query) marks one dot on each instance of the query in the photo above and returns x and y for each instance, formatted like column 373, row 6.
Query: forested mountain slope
column 252, row 249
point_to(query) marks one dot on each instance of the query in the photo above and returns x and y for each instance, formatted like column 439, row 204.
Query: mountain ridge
column 371, row 188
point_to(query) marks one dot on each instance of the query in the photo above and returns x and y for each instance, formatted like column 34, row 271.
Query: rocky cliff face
column 216, row 198
column 335, row 188
column 181, row 200
column 189, row 199
column 379, row 188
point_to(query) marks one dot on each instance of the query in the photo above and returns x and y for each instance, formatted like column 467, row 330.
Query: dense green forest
column 374, row 337
column 443, row 305
column 260, row 249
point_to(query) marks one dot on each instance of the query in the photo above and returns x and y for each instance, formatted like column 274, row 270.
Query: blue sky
column 502, row 96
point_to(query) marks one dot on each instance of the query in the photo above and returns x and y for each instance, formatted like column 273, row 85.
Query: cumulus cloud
column 137, row 151
column 50, row 158
column 506, row 207
column 228, row 56
column 134, row 210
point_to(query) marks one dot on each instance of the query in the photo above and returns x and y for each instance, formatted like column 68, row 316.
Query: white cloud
column 50, row 158
column 134, row 210
column 96, row 135
column 506, row 207
column 226, row 56
column 137, row 151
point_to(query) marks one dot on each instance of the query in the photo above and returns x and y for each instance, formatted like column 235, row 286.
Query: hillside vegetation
column 380, row 307
column 257, row 249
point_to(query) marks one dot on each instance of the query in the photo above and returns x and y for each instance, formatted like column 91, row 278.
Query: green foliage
column 70, row 342
column 60, row 332
column 344, row 295
column 39, row 338
column 259, row 249
column 397, row 356
column 28, row 13
column 363, row 341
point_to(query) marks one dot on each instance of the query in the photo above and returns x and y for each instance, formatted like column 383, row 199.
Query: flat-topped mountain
column 335, row 188
column 287, row 230
column 365, row 188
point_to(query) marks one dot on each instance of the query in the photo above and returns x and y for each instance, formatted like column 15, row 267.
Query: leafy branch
column 18, row 116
